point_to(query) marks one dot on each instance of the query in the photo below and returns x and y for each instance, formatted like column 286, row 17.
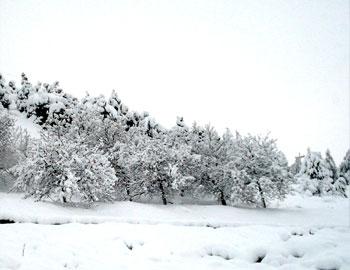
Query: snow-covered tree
column 179, row 134
column 340, row 184
column 155, row 168
column 315, row 175
column 8, row 157
column 116, row 107
column 212, row 169
column 23, row 93
column 39, row 101
column 5, row 93
column 296, row 166
column 331, row 166
column 344, row 168
column 15, row 144
column 260, row 171
column 64, row 167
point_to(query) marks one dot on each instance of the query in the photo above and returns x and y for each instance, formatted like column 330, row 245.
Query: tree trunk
column 182, row 193
column 222, row 198
column 128, row 194
column 162, row 192
column 64, row 199
column 261, row 195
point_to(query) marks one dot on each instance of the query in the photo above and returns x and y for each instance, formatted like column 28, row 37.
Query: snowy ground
column 300, row 233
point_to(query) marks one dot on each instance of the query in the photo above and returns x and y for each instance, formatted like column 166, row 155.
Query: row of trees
column 97, row 150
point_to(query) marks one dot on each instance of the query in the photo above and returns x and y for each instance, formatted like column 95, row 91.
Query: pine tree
column 315, row 176
column 331, row 166
column 5, row 93
column 296, row 166
column 23, row 93
column 339, row 187
column 117, row 108
column 344, row 168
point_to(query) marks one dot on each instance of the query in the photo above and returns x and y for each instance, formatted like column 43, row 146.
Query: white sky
column 254, row 66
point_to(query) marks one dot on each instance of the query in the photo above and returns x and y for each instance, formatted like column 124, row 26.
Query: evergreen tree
column 344, row 168
column 5, row 93
column 339, row 187
column 315, row 176
column 331, row 166
column 296, row 166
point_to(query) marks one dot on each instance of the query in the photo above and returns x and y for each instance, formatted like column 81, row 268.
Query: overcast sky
column 251, row 66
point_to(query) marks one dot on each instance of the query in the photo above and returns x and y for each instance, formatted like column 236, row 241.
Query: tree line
column 96, row 149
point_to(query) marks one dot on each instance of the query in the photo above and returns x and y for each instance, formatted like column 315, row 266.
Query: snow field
column 294, row 211
column 299, row 233
column 162, row 246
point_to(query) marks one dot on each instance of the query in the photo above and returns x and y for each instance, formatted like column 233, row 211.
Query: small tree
column 315, row 176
